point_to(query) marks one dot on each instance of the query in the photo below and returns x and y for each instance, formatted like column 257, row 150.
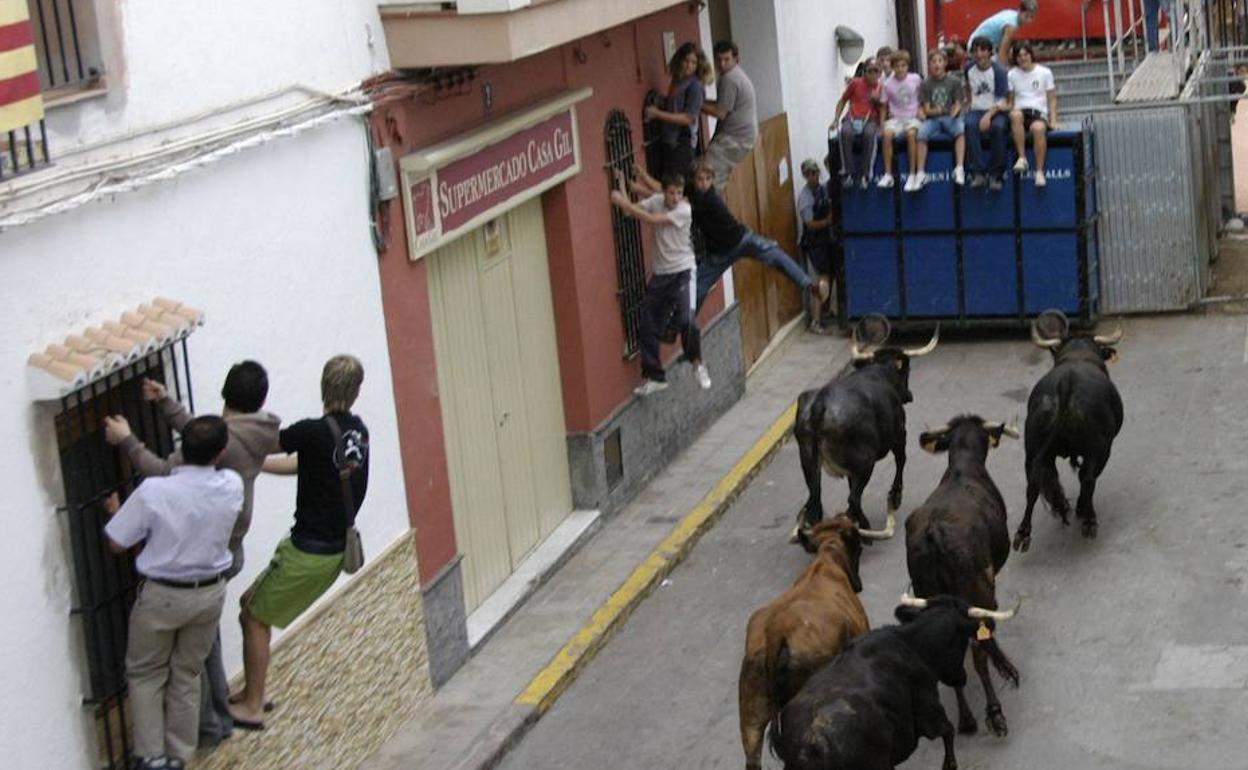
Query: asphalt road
column 1133, row 647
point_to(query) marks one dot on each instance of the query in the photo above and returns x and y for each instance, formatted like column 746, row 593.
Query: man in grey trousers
column 184, row 521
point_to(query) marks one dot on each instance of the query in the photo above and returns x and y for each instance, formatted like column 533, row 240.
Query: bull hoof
column 950, row 764
column 1008, row 673
column 967, row 725
column 1089, row 529
column 1022, row 542
column 996, row 722
column 894, row 499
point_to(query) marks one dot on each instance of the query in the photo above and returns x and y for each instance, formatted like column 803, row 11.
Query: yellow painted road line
column 560, row 672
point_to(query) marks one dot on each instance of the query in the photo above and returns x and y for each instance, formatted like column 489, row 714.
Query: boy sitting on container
column 988, row 84
column 940, row 107
column 899, row 109
column 862, row 121
column 1033, row 102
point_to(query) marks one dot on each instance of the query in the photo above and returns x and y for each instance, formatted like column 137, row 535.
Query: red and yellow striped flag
column 20, row 102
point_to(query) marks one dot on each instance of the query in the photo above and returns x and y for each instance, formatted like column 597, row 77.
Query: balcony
column 497, row 31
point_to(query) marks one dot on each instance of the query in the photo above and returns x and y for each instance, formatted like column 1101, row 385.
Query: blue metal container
column 968, row 256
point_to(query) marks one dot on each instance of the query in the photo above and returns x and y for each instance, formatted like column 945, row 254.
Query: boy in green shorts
column 307, row 563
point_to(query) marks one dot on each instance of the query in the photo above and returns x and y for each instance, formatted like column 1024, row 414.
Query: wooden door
column 499, row 387
column 760, row 193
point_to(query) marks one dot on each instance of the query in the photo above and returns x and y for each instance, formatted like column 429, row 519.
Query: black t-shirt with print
column 320, row 515
column 711, row 215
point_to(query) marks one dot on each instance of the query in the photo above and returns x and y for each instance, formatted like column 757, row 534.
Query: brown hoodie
column 253, row 436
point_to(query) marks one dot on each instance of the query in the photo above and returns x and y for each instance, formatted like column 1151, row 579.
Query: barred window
column 105, row 582
column 67, row 44
column 630, row 265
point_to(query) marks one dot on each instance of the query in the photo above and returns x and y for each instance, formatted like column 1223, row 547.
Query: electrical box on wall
column 387, row 181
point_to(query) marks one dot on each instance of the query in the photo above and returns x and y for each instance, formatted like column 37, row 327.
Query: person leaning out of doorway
column 185, row 521
column 814, row 207
column 330, row 455
column 669, row 292
column 690, row 71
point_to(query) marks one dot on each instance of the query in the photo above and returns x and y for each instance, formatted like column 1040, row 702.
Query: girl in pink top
column 899, row 110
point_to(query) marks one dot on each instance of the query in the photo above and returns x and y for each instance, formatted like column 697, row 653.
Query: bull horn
column 1112, row 339
column 881, row 534
column 859, row 353
column 910, row 601
column 979, row 613
column 928, row 348
column 1005, row 428
column 1042, row 341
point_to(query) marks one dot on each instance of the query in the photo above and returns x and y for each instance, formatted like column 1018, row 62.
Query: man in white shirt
column 185, row 521
column 669, row 293
column 1033, row 109
column 734, row 108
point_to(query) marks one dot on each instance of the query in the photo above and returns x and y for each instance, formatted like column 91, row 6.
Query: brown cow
column 804, row 627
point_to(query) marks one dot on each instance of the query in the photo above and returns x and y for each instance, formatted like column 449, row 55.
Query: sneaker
column 1020, row 166
column 825, row 289
column 1040, row 180
column 995, row 185
column 885, row 182
column 978, row 180
column 865, row 183
column 847, row 181
column 909, row 185
column 920, row 179
column 959, row 176
column 649, row 387
column 703, row 376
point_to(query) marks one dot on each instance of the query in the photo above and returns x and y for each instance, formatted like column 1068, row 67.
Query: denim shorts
column 942, row 127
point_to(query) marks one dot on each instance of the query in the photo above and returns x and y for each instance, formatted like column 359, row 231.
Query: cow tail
column 779, row 678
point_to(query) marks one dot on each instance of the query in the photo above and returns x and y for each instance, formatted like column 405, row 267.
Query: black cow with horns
column 868, row 707
column 1074, row 411
column 851, row 423
column 957, row 542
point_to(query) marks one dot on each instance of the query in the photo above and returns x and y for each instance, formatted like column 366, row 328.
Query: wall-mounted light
column 850, row 45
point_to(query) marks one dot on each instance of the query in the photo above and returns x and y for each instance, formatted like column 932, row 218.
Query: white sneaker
column 1040, row 180
column 649, row 387
column 866, row 182
column 704, row 377
column 885, row 182
column 1020, row 166
column 959, row 176
column 920, row 179
column 909, row 186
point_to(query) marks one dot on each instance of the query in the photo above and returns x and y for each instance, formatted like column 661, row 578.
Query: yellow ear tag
column 984, row 633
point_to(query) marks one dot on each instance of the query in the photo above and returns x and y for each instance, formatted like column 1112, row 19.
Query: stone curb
column 545, row 688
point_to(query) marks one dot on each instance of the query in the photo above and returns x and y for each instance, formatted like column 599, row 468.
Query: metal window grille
column 106, row 582
column 66, row 43
column 630, row 265
column 24, row 149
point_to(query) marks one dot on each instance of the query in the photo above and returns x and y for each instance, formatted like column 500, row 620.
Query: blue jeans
column 1152, row 17
column 998, row 129
column 754, row 245
column 946, row 126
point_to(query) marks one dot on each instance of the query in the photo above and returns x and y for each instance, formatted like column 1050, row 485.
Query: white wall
column 811, row 68
column 273, row 244
column 167, row 60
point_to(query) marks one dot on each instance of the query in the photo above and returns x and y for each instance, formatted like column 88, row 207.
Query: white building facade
column 216, row 154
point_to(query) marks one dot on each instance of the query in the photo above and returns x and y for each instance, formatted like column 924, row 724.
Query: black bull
column 868, row 707
column 958, row 541
column 851, row 423
column 1074, row 411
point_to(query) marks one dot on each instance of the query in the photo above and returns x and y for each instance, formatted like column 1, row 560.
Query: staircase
column 1082, row 84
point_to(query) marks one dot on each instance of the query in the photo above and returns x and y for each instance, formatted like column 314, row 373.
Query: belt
column 210, row 581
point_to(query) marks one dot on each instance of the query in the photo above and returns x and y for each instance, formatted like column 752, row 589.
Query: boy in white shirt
column 1033, row 108
column 668, row 293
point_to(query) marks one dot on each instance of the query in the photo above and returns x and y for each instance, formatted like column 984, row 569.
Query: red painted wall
column 621, row 65
column 1055, row 21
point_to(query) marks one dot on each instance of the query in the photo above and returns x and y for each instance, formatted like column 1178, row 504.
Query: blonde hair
column 340, row 382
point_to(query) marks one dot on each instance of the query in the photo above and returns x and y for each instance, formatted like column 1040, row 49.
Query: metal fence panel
column 1151, row 251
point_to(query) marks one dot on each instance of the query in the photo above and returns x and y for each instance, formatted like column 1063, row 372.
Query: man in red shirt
column 861, row 121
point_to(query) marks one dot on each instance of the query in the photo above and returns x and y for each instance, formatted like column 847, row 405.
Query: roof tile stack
column 98, row 351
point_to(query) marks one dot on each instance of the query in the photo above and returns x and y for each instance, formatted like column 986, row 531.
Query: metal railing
column 24, row 149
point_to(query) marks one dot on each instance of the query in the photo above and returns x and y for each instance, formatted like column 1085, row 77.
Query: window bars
column 92, row 470
column 24, row 150
column 630, row 265
column 64, row 37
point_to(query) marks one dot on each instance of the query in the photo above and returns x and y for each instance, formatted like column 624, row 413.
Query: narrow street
column 1132, row 647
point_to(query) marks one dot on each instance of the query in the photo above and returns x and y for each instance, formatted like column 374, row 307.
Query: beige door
column 502, row 403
